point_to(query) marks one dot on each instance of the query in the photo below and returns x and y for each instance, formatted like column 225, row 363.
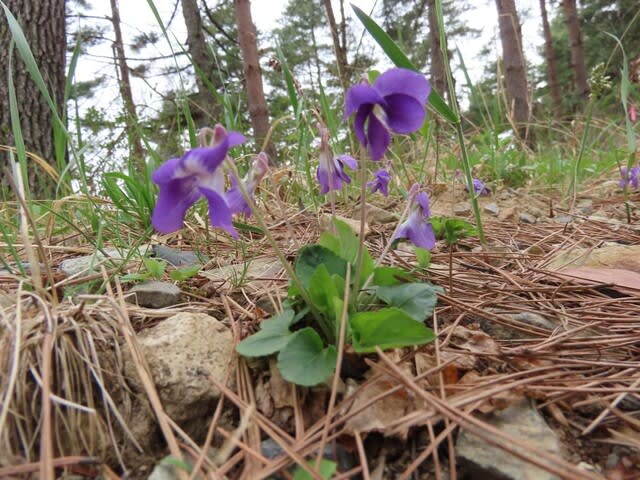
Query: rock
column 326, row 224
column 15, row 269
column 376, row 216
column 178, row 258
column 563, row 219
column 533, row 319
column 504, row 332
column 623, row 257
column 89, row 264
column 254, row 275
column 492, row 208
column 182, row 352
column 462, row 210
column 332, row 451
column 164, row 472
column 155, row 294
column 585, row 206
column 535, row 211
column 527, row 218
column 508, row 213
column 520, row 420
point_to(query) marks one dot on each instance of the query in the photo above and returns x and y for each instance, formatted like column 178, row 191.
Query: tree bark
column 202, row 61
column 124, row 83
column 438, row 72
column 258, row 110
column 577, row 48
column 552, row 73
column 340, row 49
column 43, row 23
column 514, row 66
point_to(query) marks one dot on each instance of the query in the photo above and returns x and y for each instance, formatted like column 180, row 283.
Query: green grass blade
column 17, row 129
column 397, row 56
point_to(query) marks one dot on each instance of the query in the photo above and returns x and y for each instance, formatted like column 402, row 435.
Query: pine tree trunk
column 258, row 110
column 514, row 66
column 202, row 61
column 577, row 48
column 438, row 72
column 340, row 49
column 552, row 73
column 124, row 83
column 43, row 23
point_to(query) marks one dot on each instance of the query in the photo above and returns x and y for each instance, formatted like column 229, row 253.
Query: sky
column 137, row 17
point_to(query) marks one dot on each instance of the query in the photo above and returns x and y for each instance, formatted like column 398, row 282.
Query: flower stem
column 363, row 216
column 466, row 166
column 283, row 260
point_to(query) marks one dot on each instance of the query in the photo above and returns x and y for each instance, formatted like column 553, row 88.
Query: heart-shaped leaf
column 387, row 328
column 273, row 336
column 416, row 299
column 304, row 360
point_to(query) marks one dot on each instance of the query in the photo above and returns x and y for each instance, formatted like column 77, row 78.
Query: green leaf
column 184, row 273
column 416, row 299
column 330, row 241
column 274, row 334
column 311, row 256
column 397, row 56
column 345, row 245
column 322, row 290
column 391, row 276
column 327, row 469
column 134, row 277
column 245, row 227
column 452, row 229
column 304, row 361
column 423, row 256
column 154, row 267
column 387, row 328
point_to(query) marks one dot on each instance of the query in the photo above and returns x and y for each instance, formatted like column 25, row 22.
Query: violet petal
column 404, row 113
column 359, row 96
column 404, row 81
column 174, row 200
column 378, row 138
column 219, row 212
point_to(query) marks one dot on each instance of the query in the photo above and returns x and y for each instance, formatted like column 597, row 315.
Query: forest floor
column 536, row 360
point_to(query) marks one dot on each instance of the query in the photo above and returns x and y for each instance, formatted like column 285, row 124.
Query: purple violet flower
column 417, row 229
column 479, row 187
column 183, row 181
column 380, row 183
column 234, row 198
column 330, row 173
column 394, row 103
column 631, row 179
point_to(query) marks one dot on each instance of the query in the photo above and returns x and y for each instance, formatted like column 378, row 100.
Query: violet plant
column 382, row 306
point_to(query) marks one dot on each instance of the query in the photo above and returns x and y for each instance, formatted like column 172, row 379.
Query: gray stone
column 492, row 208
column 182, row 352
column 533, row 319
column 527, row 218
column 155, row 294
column 535, row 211
column 478, row 459
column 563, row 219
column 462, row 209
column 585, row 206
column 178, row 258
column 377, row 216
column 164, row 472
column 253, row 275
column 504, row 332
column 89, row 264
